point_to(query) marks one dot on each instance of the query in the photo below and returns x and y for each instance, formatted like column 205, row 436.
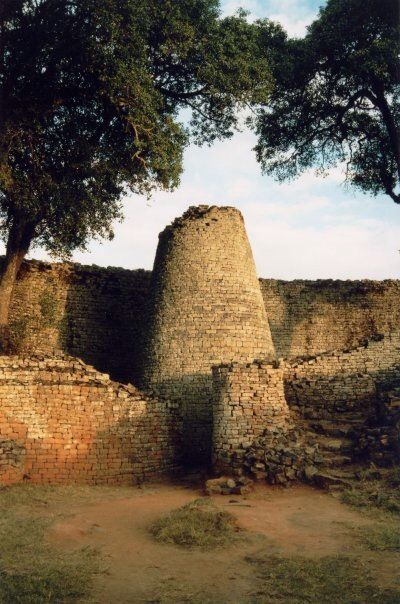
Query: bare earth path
column 299, row 520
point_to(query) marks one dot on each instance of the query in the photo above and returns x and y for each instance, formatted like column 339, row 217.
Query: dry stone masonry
column 62, row 421
column 201, row 335
column 206, row 308
column 247, row 400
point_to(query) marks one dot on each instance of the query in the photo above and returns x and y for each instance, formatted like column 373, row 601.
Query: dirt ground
column 299, row 520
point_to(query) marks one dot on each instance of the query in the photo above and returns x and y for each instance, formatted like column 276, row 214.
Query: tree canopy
column 336, row 96
column 90, row 95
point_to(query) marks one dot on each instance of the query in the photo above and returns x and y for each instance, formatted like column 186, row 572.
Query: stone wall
column 247, row 400
column 86, row 311
column 206, row 308
column 342, row 380
column 61, row 421
column 309, row 317
column 265, row 414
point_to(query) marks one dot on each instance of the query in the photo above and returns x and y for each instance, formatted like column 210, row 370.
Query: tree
column 336, row 96
column 90, row 95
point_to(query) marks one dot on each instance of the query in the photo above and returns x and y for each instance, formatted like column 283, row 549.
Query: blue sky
column 309, row 228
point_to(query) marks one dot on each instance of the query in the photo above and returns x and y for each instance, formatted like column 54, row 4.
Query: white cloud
column 309, row 228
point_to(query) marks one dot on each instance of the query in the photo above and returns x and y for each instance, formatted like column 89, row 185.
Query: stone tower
column 206, row 308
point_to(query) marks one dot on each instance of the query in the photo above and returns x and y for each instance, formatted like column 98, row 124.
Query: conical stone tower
column 206, row 308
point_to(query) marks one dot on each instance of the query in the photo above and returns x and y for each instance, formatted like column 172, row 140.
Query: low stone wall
column 247, row 400
column 261, row 410
column 63, row 422
column 342, row 380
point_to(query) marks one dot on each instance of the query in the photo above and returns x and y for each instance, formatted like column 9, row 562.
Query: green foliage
column 18, row 331
column 48, row 307
column 376, row 494
column 197, row 524
column 90, row 95
column 333, row 579
column 336, row 97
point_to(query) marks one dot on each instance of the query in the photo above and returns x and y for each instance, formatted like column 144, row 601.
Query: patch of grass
column 31, row 571
column 383, row 536
column 196, row 524
column 331, row 579
column 371, row 495
column 48, row 578
column 393, row 478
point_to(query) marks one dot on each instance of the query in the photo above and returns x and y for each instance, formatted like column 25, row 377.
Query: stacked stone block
column 260, row 410
column 85, row 311
column 206, row 308
column 100, row 308
column 342, row 380
column 310, row 317
column 248, row 400
column 61, row 421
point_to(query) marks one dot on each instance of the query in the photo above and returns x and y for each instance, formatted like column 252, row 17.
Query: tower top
column 200, row 212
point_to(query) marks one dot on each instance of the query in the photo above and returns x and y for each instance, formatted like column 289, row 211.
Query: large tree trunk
column 19, row 239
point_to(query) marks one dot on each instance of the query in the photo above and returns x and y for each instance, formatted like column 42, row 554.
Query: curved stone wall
column 206, row 308
column 61, row 421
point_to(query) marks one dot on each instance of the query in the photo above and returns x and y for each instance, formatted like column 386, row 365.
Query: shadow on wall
column 321, row 396
column 103, row 321
column 308, row 317
column 192, row 396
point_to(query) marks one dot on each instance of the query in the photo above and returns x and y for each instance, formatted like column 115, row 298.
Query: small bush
column 48, row 308
column 197, row 524
column 17, row 333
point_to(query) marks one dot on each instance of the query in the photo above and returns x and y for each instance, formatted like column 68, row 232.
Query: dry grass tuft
column 333, row 579
column 374, row 495
column 196, row 524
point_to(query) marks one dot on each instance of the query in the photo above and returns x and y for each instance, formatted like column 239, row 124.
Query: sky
column 309, row 228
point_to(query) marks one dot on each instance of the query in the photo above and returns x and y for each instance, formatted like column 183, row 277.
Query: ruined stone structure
column 88, row 310
column 336, row 398
column 63, row 421
column 206, row 308
column 247, row 400
column 284, row 380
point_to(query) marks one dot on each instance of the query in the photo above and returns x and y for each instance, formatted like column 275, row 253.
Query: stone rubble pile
column 228, row 485
column 282, row 455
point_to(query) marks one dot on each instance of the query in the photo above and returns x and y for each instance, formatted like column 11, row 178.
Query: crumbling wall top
column 200, row 212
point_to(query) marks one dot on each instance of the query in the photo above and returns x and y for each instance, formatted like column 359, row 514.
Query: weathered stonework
column 310, row 317
column 332, row 400
column 95, row 309
column 85, row 311
column 333, row 396
column 205, row 308
column 247, row 400
column 61, row 421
